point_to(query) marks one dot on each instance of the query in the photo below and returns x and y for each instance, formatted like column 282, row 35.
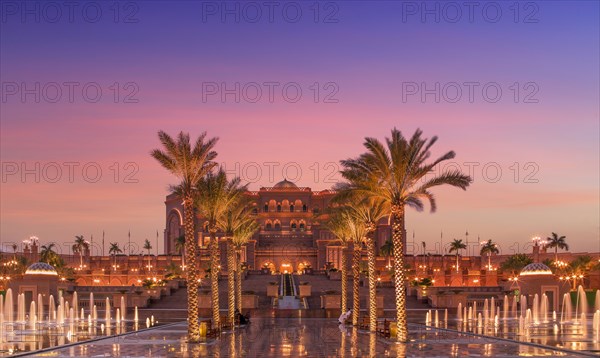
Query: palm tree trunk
column 231, row 282
column 344, row 282
column 238, row 280
column 192, row 282
column 214, row 278
column 355, row 283
column 372, row 282
column 399, row 273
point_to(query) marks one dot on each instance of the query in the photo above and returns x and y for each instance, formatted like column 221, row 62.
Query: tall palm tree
column 113, row 250
column 188, row 164
column 229, row 224
column 457, row 245
column 148, row 247
column 397, row 173
column 357, row 232
column 557, row 242
column 216, row 195
column 369, row 211
column 244, row 232
column 337, row 225
column 488, row 249
column 80, row 246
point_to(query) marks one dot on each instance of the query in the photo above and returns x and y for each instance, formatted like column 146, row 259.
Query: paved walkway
column 292, row 337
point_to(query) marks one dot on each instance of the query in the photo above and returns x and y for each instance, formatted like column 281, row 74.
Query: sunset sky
column 366, row 58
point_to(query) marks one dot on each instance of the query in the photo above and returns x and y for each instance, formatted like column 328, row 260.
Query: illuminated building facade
column 290, row 238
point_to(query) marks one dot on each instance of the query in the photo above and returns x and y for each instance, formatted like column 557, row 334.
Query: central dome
column 535, row 268
column 41, row 268
column 285, row 184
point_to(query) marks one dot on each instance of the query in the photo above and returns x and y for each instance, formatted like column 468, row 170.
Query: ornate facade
column 290, row 238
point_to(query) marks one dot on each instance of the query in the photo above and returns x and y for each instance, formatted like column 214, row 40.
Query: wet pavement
column 301, row 336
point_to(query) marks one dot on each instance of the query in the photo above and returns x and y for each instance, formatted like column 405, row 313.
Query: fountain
column 135, row 315
column 32, row 315
column 505, row 307
column 437, row 318
column 597, row 301
column 535, row 309
column 75, row 304
column 8, row 306
column 566, row 310
column 581, row 301
column 543, row 312
column 523, row 305
column 459, row 312
column 514, row 307
column 107, row 312
column 123, row 308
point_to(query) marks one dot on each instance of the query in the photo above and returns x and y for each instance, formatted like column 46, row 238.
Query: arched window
column 268, row 225
column 205, row 227
column 316, row 210
column 293, row 225
column 254, row 211
column 302, row 225
column 304, row 208
column 292, row 208
column 278, row 208
column 277, row 225
column 266, row 208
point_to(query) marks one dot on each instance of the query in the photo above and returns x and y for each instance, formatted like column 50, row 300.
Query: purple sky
column 364, row 57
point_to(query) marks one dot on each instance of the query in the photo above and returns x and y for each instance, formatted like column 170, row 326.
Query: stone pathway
column 293, row 337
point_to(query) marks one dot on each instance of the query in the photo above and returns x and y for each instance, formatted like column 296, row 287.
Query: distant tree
column 557, row 242
column 49, row 256
column 488, row 249
column 79, row 247
column 180, row 248
column 516, row 263
column 387, row 249
column 580, row 267
column 114, row 250
column 148, row 247
column 456, row 246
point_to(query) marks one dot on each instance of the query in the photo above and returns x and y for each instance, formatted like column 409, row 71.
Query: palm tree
column 229, row 223
column 15, row 247
column 216, row 195
column 557, row 242
column 113, row 250
column 456, row 246
column 398, row 174
column 369, row 211
column 357, row 233
column 188, row 164
column 49, row 256
column 180, row 248
column 386, row 250
column 515, row 263
column 489, row 248
column 337, row 225
column 80, row 246
column 245, row 230
column 148, row 247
